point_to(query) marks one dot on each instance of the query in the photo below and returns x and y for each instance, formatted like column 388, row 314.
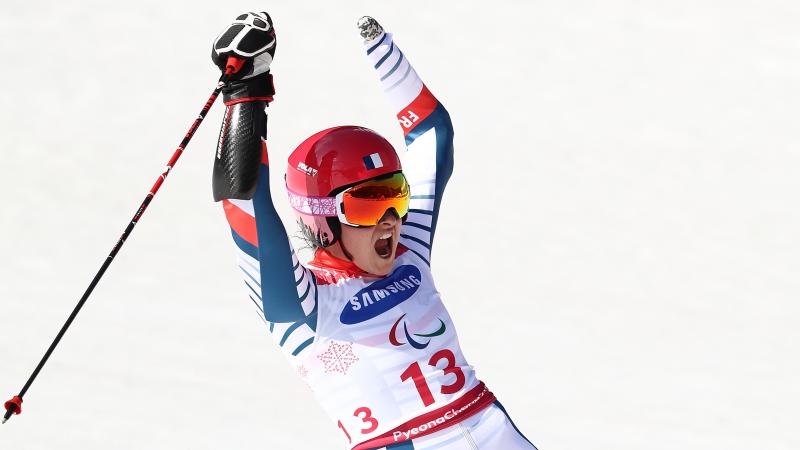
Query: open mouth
column 383, row 246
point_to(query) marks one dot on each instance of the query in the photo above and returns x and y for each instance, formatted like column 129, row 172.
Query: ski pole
column 14, row 406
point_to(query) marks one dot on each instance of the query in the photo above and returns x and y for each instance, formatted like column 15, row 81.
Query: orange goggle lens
column 365, row 203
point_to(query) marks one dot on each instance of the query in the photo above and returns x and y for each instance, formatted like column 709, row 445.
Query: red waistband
column 474, row 401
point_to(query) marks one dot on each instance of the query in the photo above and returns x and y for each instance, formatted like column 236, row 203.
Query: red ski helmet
column 328, row 162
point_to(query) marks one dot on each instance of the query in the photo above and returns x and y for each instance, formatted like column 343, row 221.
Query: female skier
column 362, row 322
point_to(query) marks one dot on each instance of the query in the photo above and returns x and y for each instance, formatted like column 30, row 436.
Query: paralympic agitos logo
column 382, row 295
column 410, row 340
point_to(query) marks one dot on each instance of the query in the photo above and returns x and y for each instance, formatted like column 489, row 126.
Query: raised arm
column 428, row 163
column 280, row 287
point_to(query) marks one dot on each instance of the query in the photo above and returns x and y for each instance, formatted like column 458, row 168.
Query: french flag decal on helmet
column 373, row 161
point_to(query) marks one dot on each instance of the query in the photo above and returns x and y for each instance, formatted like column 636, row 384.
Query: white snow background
column 618, row 244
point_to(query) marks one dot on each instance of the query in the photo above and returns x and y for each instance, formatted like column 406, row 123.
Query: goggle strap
column 312, row 206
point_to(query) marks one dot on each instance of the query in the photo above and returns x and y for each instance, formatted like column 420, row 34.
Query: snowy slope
column 618, row 245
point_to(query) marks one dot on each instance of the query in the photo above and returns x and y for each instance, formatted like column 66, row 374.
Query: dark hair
column 316, row 240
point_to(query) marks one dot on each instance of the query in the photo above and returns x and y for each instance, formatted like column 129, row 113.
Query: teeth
column 386, row 236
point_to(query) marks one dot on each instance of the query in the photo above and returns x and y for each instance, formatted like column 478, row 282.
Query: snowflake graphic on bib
column 338, row 357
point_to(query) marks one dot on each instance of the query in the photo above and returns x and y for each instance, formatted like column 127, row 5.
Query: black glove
column 250, row 37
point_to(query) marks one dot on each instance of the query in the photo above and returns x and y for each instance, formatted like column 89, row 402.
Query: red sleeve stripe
column 264, row 155
column 417, row 111
column 242, row 223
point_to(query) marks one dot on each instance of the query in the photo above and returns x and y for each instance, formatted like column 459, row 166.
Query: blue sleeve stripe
column 245, row 246
column 271, row 326
column 418, row 241
column 422, row 196
column 444, row 158
column 250, row 276
column 405, row 75
column 418, row 254
column 396, row 65
column 421, row 211
column 302, row 277
column 254, row 292
column 439, row 121
column 302, row 346
column 417, row 248
column 249, row 264
column 256, row 303
column 275, row 257
column 311, row 320
column 383, row 58
column 308, row 289
column 296, row 265
column 313, row 323
column 372, row 49
column 290, row 330
column 417, row 225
